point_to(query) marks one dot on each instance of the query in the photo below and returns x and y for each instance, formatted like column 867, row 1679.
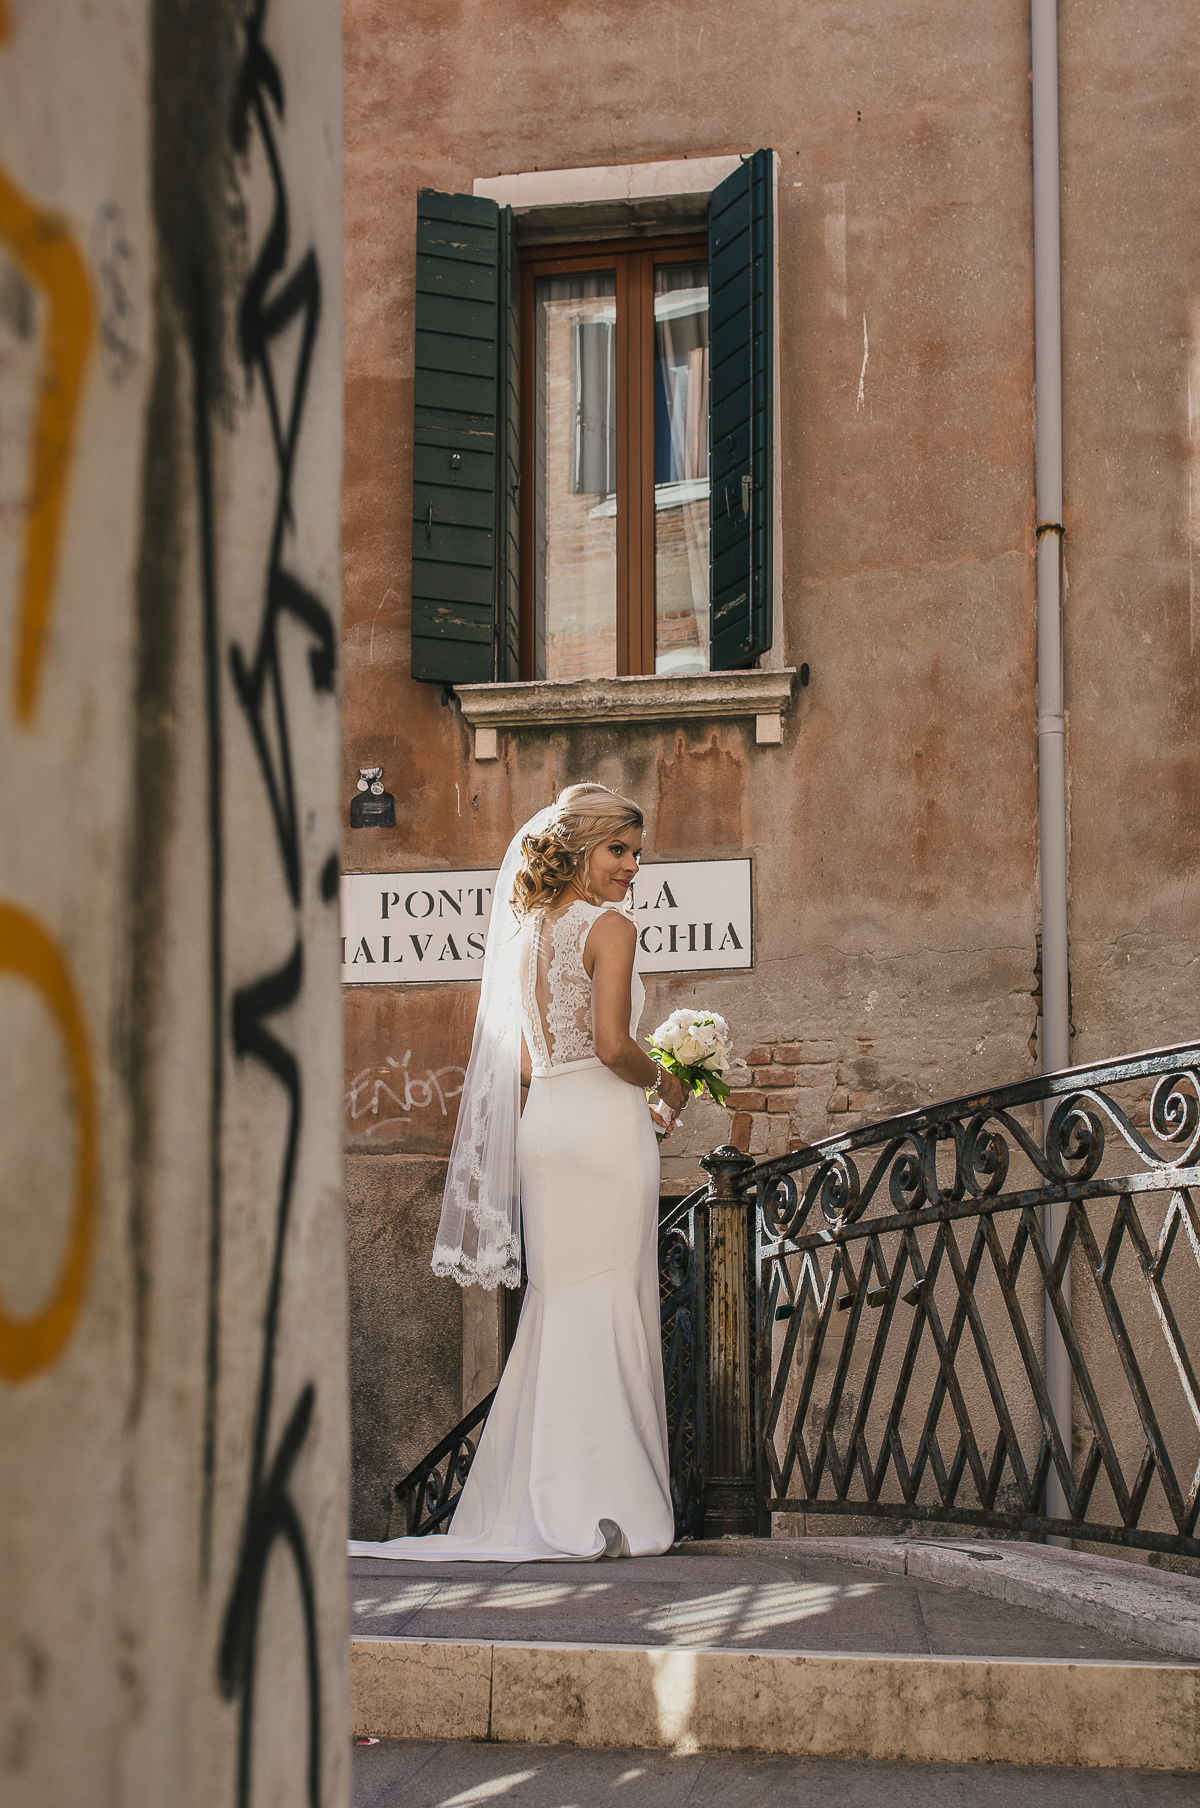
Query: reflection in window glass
column 681, row 467
column 575, row 503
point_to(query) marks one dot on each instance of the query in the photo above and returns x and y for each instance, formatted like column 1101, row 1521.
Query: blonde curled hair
column 584, row 816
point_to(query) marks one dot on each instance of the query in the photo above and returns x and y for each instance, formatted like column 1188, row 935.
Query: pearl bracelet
column 671, row 1115
column 661, row 1076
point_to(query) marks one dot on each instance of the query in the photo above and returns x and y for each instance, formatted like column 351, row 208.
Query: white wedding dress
column 572, row 1462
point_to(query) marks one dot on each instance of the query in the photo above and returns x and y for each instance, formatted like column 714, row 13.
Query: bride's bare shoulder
column 612, row 933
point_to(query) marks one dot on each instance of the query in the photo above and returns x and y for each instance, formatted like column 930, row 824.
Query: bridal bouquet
column 694, row 1046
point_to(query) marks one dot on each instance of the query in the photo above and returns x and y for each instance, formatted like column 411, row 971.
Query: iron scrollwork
column 429, row 1493
column 681, row 1307
column 932, row 1239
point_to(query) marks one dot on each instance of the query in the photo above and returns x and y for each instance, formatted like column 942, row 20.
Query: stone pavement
column 776, row 1594
column 455, row 1775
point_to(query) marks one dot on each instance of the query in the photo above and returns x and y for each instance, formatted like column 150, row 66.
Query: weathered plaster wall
column 172, row 1310
column 406, row 1330
column 1131, row 347
column 895, row 832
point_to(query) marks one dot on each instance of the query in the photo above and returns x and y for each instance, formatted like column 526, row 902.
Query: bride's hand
column 671, row 1092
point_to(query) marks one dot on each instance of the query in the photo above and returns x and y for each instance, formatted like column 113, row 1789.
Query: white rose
column 689, row 1051
column 667, row 1035
column 684, row 1019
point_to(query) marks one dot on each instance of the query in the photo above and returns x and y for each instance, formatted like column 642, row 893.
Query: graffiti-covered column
column 172, row 1321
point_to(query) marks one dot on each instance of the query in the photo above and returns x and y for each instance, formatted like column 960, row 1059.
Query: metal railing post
column 731, row 1506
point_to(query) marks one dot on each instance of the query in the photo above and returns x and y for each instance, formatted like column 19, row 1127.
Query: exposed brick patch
column 784, row 1095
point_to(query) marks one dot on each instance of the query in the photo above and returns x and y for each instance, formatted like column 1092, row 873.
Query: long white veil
column 479, row 1236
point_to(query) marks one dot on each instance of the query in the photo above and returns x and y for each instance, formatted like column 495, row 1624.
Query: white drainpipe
column 1052, row 771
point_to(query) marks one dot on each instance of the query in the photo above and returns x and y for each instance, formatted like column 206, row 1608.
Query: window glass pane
column 575, row 503
column 681, row 468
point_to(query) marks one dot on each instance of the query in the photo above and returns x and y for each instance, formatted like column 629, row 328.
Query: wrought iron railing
column 901, row 1272
column 681, row 1283
column 429, row 1494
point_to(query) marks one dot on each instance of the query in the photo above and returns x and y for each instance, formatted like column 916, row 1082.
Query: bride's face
column 612, row 867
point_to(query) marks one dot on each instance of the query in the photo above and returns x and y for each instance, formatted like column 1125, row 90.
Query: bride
column 572, row 1462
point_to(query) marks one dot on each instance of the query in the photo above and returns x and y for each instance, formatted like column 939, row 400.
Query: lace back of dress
column 556, row 991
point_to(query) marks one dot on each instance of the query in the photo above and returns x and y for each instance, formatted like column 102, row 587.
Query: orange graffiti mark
column 41, row 244
column 28, row 1345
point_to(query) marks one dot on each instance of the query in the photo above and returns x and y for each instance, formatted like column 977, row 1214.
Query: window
column 614, row 471
column 592, row 483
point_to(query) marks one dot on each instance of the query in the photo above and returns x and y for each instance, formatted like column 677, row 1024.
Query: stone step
column 860, row 1705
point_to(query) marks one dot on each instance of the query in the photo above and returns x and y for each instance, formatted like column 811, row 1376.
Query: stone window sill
column 712, row 696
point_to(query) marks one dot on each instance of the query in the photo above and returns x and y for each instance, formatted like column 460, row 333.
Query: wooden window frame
column 634, row 261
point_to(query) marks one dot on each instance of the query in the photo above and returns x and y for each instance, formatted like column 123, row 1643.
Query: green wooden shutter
column 741, row 329
column 457, row 410
column 508, row 452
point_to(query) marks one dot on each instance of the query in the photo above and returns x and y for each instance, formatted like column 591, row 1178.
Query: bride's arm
column 610, row 949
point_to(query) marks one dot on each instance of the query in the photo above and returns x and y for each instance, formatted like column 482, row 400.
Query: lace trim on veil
column 499, row 1266
column 496, row 1260
column 479, row 1234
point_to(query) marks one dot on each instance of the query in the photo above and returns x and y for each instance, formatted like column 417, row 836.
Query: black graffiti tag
column 274, row 300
